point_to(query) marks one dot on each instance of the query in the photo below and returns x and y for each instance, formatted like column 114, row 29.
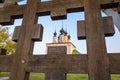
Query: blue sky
column 113, row 43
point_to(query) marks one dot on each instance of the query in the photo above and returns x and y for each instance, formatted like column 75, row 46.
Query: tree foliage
column 75, row 52
column 5, row 41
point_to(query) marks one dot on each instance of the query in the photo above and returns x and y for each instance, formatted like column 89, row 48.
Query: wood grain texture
column 70, row 63
column 5, row 63
column 16, row 34
column 114, row 63
column 97, row 63
column 36, row 33
column 53, row 8
column 108, row 26
column 3, row 52
column 25, row 43
column 8, row 14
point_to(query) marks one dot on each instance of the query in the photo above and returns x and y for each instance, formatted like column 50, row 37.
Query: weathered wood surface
column 25, row 42
column 114, row 63
column 69, row 63
column 5, row 63
column 97, row 63
column 53, row 7
column 36, row 34
column 7, row 15
column 107, row 25
column 3, row 52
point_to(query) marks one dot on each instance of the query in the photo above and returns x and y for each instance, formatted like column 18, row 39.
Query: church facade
column 63, row 39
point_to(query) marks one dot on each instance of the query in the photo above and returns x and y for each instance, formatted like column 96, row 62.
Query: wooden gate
column 97, row 63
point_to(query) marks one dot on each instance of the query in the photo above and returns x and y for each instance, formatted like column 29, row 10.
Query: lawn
column 40, row 76
column 3, row 74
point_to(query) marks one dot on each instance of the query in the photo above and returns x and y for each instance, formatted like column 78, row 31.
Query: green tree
column 75, row 51
column 5, row 41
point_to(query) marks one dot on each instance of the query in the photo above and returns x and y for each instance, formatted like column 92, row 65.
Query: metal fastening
column 22, row 61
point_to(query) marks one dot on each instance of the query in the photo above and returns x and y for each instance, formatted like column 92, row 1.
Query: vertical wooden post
column 56, row 72
column 55, row 75
column 25, row 43
column 98, row 63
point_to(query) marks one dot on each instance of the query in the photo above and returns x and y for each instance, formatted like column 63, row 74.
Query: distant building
column 63, row 39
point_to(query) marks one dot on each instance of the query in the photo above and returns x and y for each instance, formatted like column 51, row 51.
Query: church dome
column 62, row 31
column 69, row 36
column 65, row 32
column 55, row 33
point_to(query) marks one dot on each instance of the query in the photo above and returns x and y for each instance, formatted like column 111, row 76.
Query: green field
column 3, row 74
column 40, row 76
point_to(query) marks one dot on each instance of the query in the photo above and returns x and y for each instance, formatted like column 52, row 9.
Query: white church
column 63, row 39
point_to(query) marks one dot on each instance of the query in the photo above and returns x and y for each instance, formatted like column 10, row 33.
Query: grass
column 3, row 74
column 37, row 76
column 41, row 76
column 77, row 77
column 115, row 77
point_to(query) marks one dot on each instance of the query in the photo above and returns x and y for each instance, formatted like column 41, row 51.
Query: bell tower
column 55, row 37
